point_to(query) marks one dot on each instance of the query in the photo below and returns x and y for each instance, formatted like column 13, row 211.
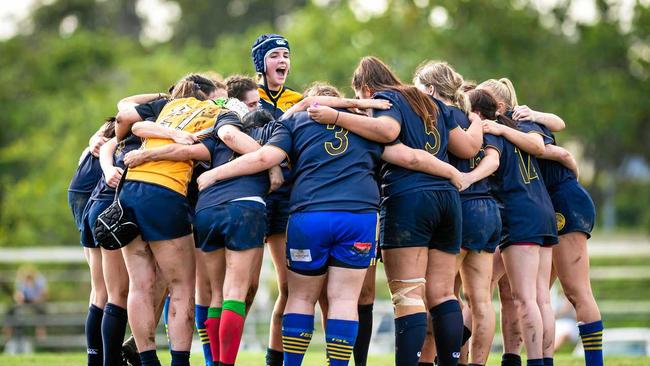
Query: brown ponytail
column 194, row 86
column 484, row 104
column 377, row 76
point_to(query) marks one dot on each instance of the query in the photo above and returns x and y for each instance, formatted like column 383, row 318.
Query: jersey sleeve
column 281, row 137
column 393, row 111
column 495, row 142
column 150, row 111
column 228, row 118
column 450, row 123
column 531, row 127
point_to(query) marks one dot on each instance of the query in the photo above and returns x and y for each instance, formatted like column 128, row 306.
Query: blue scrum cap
column 263, row 45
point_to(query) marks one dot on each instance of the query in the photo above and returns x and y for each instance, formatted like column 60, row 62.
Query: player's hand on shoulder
column 491, row 127
column 523, row 113
column 322, row 114
column 113, row 176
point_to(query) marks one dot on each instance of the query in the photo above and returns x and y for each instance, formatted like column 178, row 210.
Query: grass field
column 256, row 359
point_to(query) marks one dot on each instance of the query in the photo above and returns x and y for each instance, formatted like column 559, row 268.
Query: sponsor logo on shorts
column 455, row 355
column 300, row 255
column 561, row 221
column 362, row 248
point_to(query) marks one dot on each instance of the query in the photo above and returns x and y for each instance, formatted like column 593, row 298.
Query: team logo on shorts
column 300, row 255
column 561, row 221
column 362, row 248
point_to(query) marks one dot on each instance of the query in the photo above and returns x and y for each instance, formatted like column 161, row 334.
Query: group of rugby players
column 388, row 175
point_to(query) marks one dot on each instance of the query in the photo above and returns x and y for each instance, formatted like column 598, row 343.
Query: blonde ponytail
column 511, row 91
column 502, row 90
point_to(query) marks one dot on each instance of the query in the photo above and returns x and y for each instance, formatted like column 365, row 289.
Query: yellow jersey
column 278, row 103
column 187, row 114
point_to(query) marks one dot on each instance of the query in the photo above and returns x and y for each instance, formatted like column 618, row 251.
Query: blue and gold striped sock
column 200, row 316
column 297, row 330
column 592, row 342
column 340, row 336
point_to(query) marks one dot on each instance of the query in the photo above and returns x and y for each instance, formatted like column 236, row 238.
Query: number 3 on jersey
column 342, row 136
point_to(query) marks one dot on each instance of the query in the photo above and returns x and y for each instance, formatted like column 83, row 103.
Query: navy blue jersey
column 150, row 111
column 333, row 169
column 527, row 208
column 262, row 135
column 481, row 188
column 255, row 185
column 552, row 171
column 414, row 133
column 102, row 191
column 87, row 174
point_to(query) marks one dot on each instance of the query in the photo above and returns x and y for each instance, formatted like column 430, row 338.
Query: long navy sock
column 410, row 331
column 113, row 328
column 363, row 337
column 180, row 358
column 94, row 336
column 149, row 358
column 510, row 359
column 592, row 342
column 448, row 331
column 548, row 361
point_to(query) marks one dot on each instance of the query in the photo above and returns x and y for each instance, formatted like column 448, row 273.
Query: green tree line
column 58, row 86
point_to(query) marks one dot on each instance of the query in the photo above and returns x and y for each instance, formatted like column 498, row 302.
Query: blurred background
column 64, row 64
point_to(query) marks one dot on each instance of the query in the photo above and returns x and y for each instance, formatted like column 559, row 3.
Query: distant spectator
column 30, row 293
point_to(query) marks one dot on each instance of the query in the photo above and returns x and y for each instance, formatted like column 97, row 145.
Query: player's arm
column 562, row 156
column 112, row 174
column 466, row 144
column 134, row 100
column 124, row 120
column 488, row 165
column 420, row 160
column 251, row 163
column 531, row 142
column 172, row 152
column 382, row 129
column 154, row 130
column 237, row 140
column 551, row 121
column 336, row 102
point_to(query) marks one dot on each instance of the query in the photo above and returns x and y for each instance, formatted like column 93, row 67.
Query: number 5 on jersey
column 342, row 137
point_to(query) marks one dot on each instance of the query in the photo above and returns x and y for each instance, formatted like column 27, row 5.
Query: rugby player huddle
column 453, row 185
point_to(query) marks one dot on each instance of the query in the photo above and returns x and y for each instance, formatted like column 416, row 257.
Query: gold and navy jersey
column 417, row 135
column 187, row 114
column 278, row 103
column 332, row 168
